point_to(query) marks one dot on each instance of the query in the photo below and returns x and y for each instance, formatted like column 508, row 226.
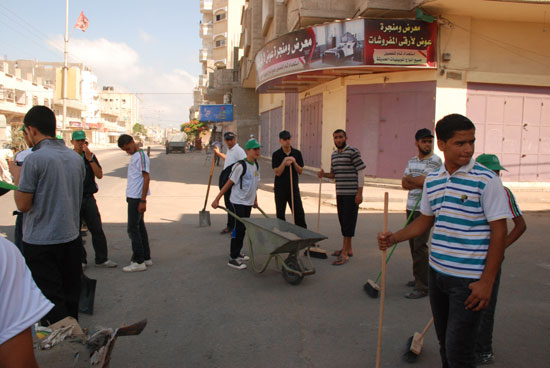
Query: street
column 201, row 313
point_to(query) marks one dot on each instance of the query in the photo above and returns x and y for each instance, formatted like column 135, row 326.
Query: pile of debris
column 65, row 344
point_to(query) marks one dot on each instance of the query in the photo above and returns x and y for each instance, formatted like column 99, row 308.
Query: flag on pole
column 81, row 22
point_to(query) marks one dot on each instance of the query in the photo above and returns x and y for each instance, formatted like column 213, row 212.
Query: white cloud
column 145, row 37
column 117, row 64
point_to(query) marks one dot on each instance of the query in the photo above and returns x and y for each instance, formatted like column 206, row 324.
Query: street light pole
column 65, row 57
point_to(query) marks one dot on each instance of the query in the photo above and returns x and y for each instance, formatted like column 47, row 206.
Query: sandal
column 340, row 261
column 338, row 253
column 225, row 231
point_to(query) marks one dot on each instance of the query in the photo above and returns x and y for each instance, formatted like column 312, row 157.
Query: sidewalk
column 536, row 199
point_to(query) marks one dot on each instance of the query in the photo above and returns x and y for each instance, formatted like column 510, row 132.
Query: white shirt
column 21, row 302
column 233, row 155
column 250, row 181
column 139, row 162
column 20, row 157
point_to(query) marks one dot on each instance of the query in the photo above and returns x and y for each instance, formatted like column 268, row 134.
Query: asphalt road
column 202, row 313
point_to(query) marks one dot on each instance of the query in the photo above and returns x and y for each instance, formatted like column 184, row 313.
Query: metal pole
column 65, row 57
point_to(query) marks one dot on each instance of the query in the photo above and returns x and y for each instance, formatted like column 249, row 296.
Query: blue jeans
column 484, row 344
column 455, row 326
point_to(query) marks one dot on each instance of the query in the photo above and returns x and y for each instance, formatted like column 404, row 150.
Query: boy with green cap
column 243, row 181
column 89, row 211
column 484, row 343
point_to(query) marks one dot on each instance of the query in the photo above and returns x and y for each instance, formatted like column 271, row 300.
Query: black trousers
column 56, row 270
column 484, row 343
column 237, row 237
column 90, row 214
column 282, row 197
column 137, row 232
column 347, row 214
column 18, row 231
column 229, row 206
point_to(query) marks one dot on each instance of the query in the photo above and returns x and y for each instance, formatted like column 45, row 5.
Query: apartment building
column 383, row 69
column 219, row 83
column 124, row 106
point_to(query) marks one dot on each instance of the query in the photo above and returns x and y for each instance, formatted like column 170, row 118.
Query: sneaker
column 107, row 264
column 134, row 267
column 235, row 263
column 243, row 258
column 416, row 294
column 148, row 262
column 84, row 265
column 485, row 358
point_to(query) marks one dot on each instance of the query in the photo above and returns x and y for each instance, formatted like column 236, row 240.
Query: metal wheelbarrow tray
column 275, row 237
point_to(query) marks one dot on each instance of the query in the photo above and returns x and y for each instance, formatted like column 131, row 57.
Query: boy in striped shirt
column 484, row 344
column 466, row 203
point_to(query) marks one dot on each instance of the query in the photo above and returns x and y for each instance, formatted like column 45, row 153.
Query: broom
column 415, row 342
column 315, row 251
column 383, row 289
column 371, row 287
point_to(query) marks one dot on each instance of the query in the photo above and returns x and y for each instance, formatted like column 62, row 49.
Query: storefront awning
column 301, row 59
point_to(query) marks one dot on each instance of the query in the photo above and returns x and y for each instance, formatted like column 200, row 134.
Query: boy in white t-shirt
column 243, row 184
column 137, row 190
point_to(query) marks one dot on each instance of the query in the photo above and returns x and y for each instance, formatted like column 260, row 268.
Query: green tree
column 139, row 128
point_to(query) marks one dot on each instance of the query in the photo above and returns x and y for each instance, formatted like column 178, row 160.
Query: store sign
column 75, row 124
column 216, row 113
column 354, row 43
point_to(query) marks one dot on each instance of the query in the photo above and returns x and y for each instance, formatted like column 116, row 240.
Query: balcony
column 203, row 80
column 206, row 6
column 205, row 30
column 204, row 55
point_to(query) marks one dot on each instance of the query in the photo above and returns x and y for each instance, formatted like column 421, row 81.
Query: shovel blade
column 204, row 218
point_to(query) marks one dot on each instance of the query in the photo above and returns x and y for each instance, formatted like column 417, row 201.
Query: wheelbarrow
column 276, row 238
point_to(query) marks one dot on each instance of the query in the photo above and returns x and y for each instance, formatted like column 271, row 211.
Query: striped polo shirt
column 139, row 163
column 463, row 205
column 418, row 167
column 512, row 204
column 345, row 165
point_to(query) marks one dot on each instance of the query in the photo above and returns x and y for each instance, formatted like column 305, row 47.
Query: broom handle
column 209, row 182
column 395, row 245
column 319, row 205
column 427, row 327
column 383, row 287
column 292, row 196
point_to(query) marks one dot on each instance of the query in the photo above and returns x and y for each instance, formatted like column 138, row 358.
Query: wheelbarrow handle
column 237, row 217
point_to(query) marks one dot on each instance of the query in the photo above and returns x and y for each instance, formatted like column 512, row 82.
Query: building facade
column 383, row 69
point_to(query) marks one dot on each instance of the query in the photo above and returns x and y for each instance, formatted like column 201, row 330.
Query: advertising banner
column 353, row 43
column 216, row 113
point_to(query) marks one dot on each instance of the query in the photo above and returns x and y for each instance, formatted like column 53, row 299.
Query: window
column 220, row 16
column 46, row 102
column 34, row 100
column 220, row 42
column 1, row 92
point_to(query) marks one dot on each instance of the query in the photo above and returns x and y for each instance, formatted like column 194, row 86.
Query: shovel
column 315, row 251
column 204, row 215
column 383, row 288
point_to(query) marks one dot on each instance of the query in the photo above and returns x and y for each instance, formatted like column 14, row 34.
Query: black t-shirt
column 90, row 186
column 277, row 158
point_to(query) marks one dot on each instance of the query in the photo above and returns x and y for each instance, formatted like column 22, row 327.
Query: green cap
column 5, row 187
column 58, row 136
column 22, row 128
column 78, row 135
column 490, row 161
column 252, row 144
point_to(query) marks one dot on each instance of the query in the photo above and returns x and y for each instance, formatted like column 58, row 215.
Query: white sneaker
column 84, row 265
column 148, row 262
column 107, row 264
column 243, row 258
column 235, row 263
column 134, row 267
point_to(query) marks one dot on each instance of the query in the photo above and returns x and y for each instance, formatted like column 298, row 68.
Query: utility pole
column 65, row 57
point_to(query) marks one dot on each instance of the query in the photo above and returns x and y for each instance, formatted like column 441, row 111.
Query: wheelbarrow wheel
column 291, row 277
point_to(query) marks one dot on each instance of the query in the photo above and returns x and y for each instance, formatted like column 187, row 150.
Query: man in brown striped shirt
column 346, row 167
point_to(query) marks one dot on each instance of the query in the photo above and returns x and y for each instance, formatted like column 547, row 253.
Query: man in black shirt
column 282, row 161
column 89, row 211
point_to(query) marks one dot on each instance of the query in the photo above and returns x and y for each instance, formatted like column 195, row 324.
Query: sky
column 150, row 48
